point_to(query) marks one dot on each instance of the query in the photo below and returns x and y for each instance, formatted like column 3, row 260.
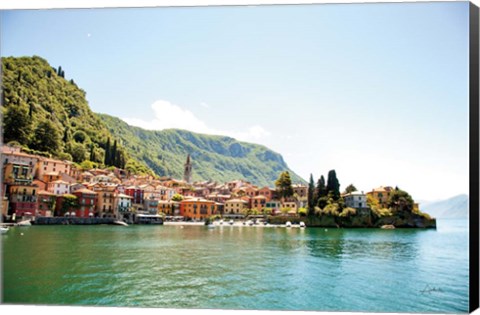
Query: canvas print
column 273, row 157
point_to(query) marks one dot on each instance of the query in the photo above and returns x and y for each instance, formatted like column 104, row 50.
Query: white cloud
column 171, row 116
column 203, row 104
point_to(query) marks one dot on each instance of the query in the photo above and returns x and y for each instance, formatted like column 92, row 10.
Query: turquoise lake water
column 410, row 270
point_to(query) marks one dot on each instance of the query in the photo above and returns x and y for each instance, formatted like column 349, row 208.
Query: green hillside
column 49, row 115
column 217, row 158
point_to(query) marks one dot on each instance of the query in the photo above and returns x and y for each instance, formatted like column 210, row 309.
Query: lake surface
column 239, row 267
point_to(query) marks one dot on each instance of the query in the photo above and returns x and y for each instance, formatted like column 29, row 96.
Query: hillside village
column 36, row 186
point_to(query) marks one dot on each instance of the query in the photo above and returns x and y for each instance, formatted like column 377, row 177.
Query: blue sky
column 378, row 92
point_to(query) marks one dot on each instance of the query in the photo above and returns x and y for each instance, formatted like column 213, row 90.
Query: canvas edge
column 474, row 159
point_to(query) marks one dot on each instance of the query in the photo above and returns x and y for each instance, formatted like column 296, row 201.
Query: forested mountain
column 49, row 115
column 218, row 158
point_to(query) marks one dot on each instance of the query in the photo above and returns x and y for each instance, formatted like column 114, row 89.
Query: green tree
column 302, row 212
column 87, row 165
column 46, row 137
column 284, row 185
column 69, row 203
column 177, row 198
column 333, row 184
column 78, row 152
column 400, row 200
column 311, row 196
column 64, row 156
column 321, row 190
column 80, row 136
column 350, row 188
column 17, row 126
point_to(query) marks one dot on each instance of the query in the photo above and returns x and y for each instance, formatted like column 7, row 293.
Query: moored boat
column 302, row 224
column 4, row 230
column 24, row 223
column 288, row 224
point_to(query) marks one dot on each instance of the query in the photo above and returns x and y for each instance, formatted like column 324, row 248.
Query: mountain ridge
column 214, row 157
column 46, row 114
column 455, row 207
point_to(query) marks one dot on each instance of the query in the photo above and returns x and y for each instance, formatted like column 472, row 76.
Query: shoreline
column 226, row 224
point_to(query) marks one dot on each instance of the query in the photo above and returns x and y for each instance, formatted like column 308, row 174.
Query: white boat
column 231, row 222
column 3, row 230
column 302, row 224
column 250, row 223
column 221, row 222
column 288, row 224
column 24, row 223
column 120, row 223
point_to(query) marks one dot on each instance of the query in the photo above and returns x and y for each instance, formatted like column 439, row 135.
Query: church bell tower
column 187, row 174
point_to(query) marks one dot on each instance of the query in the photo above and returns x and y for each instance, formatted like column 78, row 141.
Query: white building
column 59, row 187
column 124, row 202
column 355, row 199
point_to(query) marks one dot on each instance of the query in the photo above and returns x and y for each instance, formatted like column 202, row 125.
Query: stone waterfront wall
column 71, row 221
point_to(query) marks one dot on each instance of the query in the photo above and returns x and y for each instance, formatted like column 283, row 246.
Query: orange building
column 197, row 208
column 259, row 202
column 106, row 206
column 267, row 192
column 46, row 165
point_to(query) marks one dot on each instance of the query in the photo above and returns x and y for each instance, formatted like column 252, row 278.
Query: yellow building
column 234, row 207
column 381, row 194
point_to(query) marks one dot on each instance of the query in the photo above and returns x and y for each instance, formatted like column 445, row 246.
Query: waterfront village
column 37, row 187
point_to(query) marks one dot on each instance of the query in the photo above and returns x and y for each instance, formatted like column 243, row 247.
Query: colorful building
column 46, row 165
column 197, row 208
column 86, row 200
column 22, row 199
column 381, row 194
column 17, row 173
column 259, row 202
column 123, row 202
column 235, row 207
column 58, row 187
column 45, row 203
column 136, row 193
column 105, row 200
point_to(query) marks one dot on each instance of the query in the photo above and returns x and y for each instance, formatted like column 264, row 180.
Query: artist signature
column 430, row 289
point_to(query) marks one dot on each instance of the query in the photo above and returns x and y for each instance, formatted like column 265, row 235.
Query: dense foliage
column 47, row 114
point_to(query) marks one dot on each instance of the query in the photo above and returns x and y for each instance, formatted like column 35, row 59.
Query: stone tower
column 187, row 174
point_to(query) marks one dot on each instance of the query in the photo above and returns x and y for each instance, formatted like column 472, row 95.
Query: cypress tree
column 107, row 152
column 333, row 185
column 311, row 196
column 114, row 154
